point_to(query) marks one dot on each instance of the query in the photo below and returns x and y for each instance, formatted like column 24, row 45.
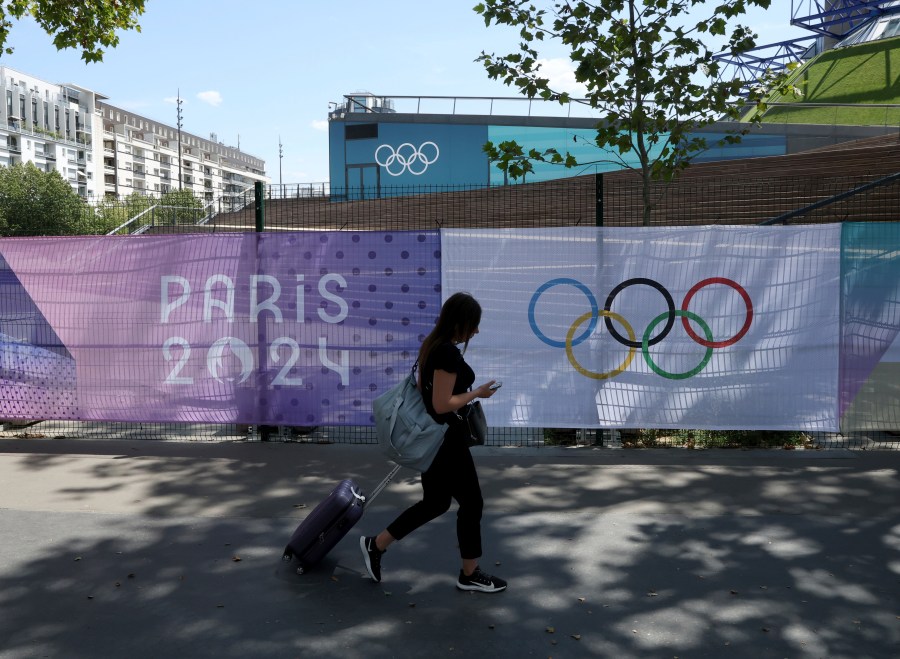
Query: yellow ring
column 571, row 355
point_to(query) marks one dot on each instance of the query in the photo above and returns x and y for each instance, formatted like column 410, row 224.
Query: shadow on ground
column 131, row 550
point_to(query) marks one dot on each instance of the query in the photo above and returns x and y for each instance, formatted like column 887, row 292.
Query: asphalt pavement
column 155, row 549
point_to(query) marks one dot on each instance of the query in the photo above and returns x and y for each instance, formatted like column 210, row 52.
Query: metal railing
column 883, row 114
column 40, row 133
column 134, row 220
column 807, row 210
column 298, row 190
column 839, row 114
column 164, row 215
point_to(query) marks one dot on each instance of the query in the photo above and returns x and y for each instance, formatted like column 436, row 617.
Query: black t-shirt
column 445, row 357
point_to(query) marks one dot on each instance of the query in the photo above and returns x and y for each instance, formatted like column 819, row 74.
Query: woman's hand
column 443, row 400
column 485, row 391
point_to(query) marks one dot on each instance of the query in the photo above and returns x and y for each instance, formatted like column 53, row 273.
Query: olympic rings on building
column 407, row 158
column 646, row 340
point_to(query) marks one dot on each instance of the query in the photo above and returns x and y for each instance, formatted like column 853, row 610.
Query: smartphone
column 496, row 385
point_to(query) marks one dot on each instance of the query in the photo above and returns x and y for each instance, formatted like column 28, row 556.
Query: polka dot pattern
column 35, row 383
column 392, row 296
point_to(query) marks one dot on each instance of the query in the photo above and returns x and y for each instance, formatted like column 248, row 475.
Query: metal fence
column 594, row 200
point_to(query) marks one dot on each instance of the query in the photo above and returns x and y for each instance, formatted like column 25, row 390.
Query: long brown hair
column 459, row 318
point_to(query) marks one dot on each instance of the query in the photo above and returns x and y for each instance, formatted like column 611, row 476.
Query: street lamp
column 178, row 112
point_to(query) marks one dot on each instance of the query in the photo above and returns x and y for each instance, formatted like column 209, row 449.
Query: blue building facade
column 377, row 151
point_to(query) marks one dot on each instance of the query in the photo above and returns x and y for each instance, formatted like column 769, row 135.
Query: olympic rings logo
column 407, row 158
column 648, row 338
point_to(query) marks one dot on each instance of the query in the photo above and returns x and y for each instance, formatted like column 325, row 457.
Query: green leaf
column 640, row 69
column 92, row 27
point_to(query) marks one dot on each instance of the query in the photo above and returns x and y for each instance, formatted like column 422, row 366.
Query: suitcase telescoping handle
column 383, row 484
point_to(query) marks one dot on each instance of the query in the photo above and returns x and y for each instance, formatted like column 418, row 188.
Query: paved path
column 155, row 549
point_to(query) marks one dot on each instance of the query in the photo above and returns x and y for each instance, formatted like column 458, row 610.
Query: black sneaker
column 480, row 581
column 372, row 557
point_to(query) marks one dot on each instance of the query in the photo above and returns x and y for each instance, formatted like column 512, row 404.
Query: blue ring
column 595, row 311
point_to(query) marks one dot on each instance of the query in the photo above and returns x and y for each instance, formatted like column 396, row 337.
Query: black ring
column 653, row 284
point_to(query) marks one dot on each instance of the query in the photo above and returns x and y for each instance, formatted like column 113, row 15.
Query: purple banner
column 301, row 329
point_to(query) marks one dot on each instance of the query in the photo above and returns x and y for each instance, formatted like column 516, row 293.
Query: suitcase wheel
column 288, row 554
column 300, row 570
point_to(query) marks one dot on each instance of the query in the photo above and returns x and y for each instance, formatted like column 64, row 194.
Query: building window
column 892, row 29
column 360, row 131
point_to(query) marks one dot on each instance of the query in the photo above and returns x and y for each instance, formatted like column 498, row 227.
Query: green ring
column 645, row 345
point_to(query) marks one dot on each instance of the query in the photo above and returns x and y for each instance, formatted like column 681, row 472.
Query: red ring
column 727, row 342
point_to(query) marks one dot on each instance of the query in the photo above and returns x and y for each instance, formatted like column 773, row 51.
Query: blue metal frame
column 819, row 16
column 828, row 13
column 751, row 64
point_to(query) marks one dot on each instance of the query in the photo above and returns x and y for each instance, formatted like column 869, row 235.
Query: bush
column 38, row 203
column 112, row 213
column 654, row 438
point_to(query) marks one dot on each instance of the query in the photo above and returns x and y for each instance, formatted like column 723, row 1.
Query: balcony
column 142, row 139
column 14, row 124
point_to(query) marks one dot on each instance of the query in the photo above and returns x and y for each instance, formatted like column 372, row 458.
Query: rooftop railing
column 863, row 114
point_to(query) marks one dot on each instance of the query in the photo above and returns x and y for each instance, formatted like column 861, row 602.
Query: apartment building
column 138, row 154
column 107, row 151
column 49, row 125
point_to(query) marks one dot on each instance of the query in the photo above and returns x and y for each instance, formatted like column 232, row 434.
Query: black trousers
column 452, row 475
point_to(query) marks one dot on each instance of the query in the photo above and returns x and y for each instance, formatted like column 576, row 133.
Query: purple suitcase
column 329, row 522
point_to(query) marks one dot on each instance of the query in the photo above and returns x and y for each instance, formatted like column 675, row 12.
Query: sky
column 258, row 72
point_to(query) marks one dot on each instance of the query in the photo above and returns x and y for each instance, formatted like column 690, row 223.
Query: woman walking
column 444, row 380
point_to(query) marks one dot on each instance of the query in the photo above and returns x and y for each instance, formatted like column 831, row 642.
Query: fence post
column 259, row 193
column 601, row 434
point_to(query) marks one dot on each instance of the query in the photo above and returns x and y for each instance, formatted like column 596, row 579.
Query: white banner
column 684, row 327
